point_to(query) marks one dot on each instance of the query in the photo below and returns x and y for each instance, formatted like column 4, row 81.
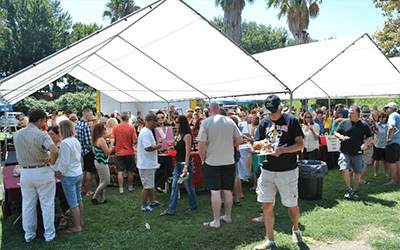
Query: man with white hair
column 281, row 135
column 393, row 142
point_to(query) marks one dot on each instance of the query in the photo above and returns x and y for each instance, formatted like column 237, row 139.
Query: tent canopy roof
column 345, row 67
column 163, row 52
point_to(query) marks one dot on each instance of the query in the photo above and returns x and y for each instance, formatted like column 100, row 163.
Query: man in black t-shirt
column 351, row 132
column 281, row 135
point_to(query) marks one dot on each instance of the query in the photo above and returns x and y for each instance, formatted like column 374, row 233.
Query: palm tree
column 116, row 9
column 298, row 16
column 233, row 17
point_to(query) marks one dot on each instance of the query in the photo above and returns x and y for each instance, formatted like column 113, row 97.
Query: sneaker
column 355, row 194
column 348, row 194
column 267, row 245
column 155, row 204
column 147, row 209
column 297, row 236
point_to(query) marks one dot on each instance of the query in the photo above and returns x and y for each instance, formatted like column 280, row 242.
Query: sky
column 337, row 18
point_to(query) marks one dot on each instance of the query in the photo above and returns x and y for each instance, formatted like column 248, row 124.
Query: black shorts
column 125, row 162
column 392, row 152
column 88, row 162
column 379, row 154
column 313, row 155
column 219, row 177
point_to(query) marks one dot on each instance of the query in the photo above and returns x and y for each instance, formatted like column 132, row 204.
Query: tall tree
column 233, row 17
column 388, row 38
column 116, row 9
column 5, row 32
column 258, row 38
column 39, row 28
column 298, row 16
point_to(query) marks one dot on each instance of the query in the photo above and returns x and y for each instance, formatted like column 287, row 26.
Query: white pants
column 38, row 183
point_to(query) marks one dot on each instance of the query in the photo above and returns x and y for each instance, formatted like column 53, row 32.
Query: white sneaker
column 267, row 245
column 297, row 237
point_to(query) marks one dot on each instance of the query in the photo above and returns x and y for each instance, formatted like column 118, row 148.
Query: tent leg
column 291, row 101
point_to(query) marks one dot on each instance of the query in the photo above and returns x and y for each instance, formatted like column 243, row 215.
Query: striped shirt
column 30, row 145
column 100, row 156
column 84, row 136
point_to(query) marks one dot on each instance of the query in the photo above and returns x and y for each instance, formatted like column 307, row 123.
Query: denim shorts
column 72, row 189
column 349, row 162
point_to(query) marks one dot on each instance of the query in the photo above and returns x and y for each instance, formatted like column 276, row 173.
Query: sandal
column 365, row 182
column 258, row 219
column 71, row 230
column 208, row 224
column 165, row 213
column 89, row 194
column 222, row 219
column 237, row 203
column 160, row 190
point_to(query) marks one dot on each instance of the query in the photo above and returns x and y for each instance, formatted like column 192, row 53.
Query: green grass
column 372, row 220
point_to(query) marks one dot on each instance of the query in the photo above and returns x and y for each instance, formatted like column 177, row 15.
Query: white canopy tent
column 162, row 53
column 338, row 68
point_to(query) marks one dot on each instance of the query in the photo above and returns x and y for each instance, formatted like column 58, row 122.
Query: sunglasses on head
column 307, row 117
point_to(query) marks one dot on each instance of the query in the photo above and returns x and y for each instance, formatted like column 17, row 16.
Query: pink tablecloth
column 13, row 190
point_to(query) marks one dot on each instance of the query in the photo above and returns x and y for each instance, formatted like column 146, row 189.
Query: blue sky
column 338, row 18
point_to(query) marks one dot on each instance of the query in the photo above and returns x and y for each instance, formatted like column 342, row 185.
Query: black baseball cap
column 272, row 104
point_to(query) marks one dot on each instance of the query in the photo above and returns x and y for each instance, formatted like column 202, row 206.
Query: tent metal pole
column 291, row 101
column 123, row 72
column 320, row 88
column 101, row 79
column 162, row 66
column 398, row 70
column 328, row 63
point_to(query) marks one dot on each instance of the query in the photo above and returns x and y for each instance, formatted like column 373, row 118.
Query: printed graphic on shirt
column 274, row 134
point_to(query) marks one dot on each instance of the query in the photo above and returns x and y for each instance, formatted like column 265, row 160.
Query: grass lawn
column 373, row 220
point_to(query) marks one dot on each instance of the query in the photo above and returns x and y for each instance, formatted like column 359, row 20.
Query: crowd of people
column 107, row 147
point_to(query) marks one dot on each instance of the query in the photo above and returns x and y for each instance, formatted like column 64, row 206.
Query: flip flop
column 89, row 194
column 222, row 219
column 165, row 213
column 258, row 219
column 71, row 230
column 208, row 224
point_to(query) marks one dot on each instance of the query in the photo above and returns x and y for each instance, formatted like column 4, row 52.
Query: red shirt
column 124, row 135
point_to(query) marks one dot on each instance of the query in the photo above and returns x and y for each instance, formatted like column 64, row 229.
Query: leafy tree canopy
column 75, row 101
column 258, row 37
column 388, row 38
column 39, row 28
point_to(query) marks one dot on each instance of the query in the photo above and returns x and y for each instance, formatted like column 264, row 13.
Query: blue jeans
column 72, row 189
column 173, row 201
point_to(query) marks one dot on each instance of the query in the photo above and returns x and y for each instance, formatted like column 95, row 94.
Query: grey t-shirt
column 219, row 133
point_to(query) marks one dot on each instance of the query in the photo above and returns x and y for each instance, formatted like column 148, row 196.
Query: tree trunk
column 233, row 20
